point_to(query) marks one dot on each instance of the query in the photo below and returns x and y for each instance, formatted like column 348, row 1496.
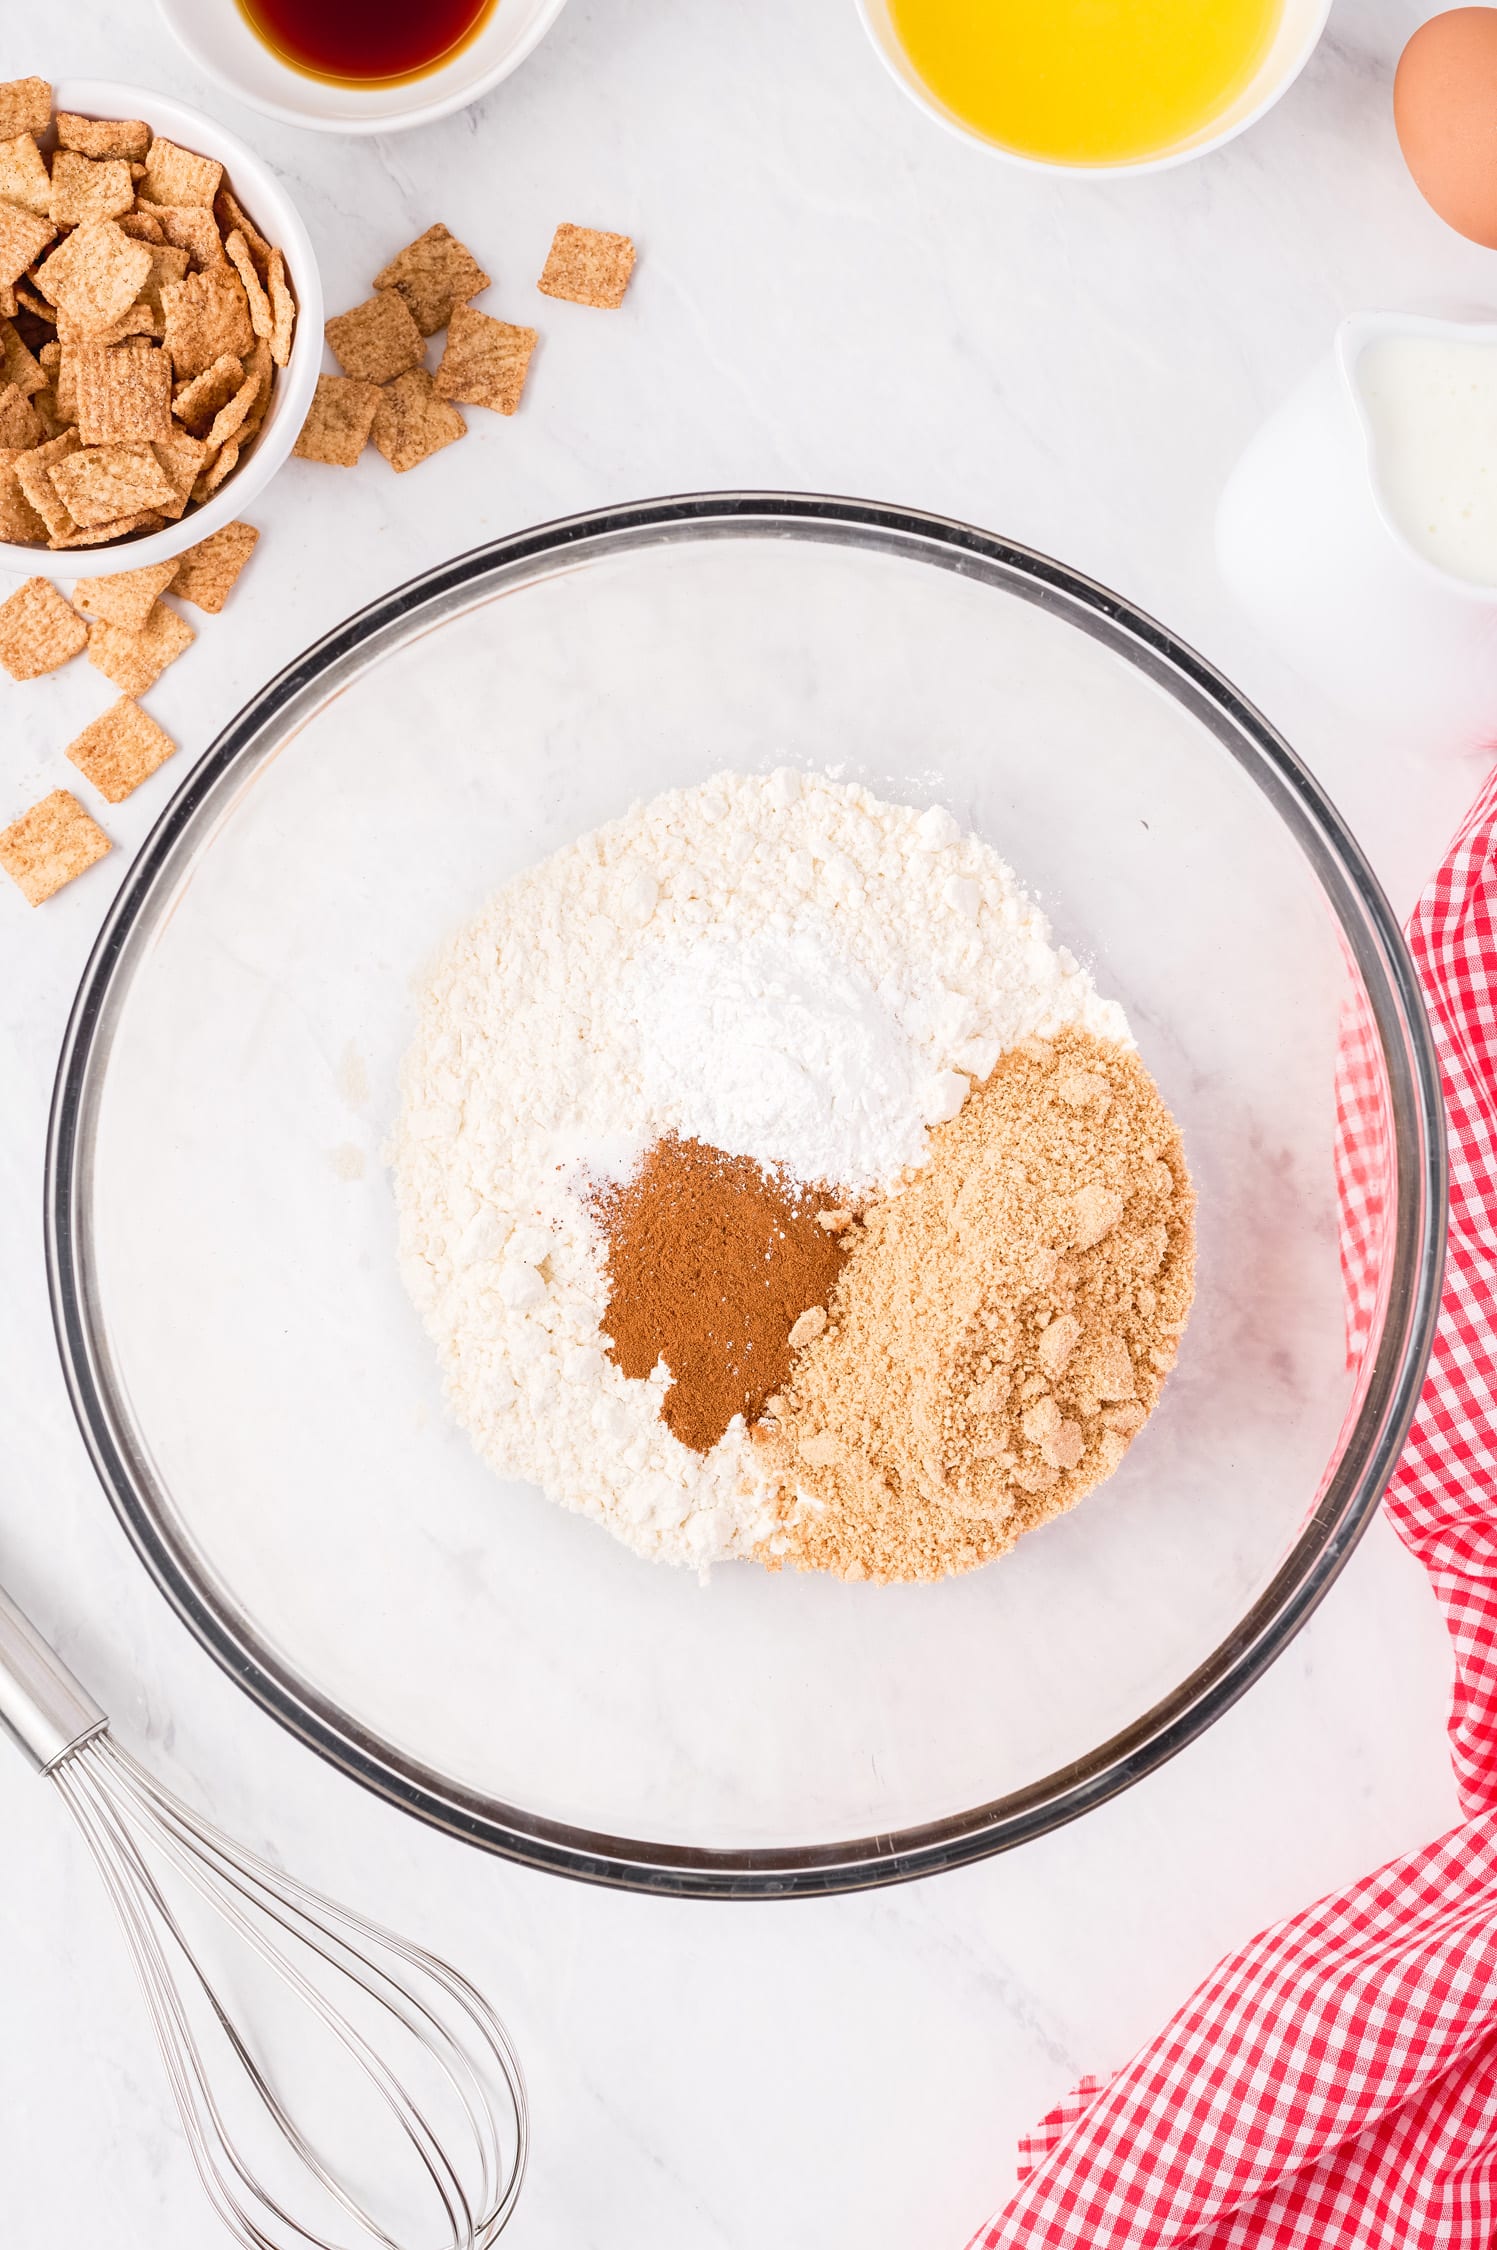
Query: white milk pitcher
column 1359, row 529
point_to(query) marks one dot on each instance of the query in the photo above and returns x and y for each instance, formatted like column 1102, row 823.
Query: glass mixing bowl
column 265, row 1409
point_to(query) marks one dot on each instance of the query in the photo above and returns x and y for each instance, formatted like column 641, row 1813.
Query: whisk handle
column 42, row 1706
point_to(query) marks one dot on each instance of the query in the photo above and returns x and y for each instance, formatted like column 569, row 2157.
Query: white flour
column 783, row 967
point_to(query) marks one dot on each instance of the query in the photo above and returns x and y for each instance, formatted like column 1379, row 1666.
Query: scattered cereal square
column 19, row 521
column 432, row 274
column 23, row 175
column 38, row 630
column 87, row 187
column 100, row 482
column 126, row 598
column 95, row 274
column 337, row 427
column 587, row 267
column 120, row 750
column 34, row 475
column 411, row 422
column 188, row 227
column 198, row 401
column 129, row 137
column 377, row 340
column 51, row 844
column 177, row 175
column 207, row 315
column 237, row 250
column 24, row 235
column 135, row 661
column 207, row 572
column 182, row 457
column 25, row 106
column 485, row 361
column 19, row 426
column 123, row 392
column 17, row 364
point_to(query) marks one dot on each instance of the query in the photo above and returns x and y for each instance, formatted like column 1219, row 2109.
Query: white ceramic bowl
column 1298, row 35
column 220, row 41
column 274, row 213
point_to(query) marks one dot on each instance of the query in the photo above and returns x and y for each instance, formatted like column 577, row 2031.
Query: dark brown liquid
column 367, row 42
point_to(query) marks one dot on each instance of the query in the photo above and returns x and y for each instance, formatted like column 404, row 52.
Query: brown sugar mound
column 1001, row 1330
column 711, row 1264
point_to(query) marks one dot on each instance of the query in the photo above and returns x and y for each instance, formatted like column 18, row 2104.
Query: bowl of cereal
column 163, row 331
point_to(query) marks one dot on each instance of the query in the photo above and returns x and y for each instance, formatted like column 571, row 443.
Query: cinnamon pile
column 713, row 1266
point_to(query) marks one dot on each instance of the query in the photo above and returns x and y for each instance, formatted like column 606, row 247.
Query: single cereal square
column 123, row 392
column 432, row 274
column 182, row 457
column 231, row 217
column 587, row 267
column 411, row 422
column 51, row 844
column 188, row 227
column 378, row 340
column 95, row 275
column 129, row 137
column 19, row 426
column 282, row 310
column 100, row 482
column 215, row 468
column 120, row 750
column 25, row 106
column 177, row 175
column 16, row 363
column 126, row 598
column 197, row 402
column 135, row 661
column 23, row 175
column 207, row 316
column 118, row 527
column 238, row 253
column 141, row 226
column 38, row 630
column 485, row 360
column 337, row 428
column 34, row 475
column 19, row 521
column 24, row 235
column 87, row 187
column 207, row 572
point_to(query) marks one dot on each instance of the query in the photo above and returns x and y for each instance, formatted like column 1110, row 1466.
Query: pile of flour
column 781, row 966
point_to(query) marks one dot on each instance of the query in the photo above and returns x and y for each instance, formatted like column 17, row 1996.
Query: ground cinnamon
column 711, row 1263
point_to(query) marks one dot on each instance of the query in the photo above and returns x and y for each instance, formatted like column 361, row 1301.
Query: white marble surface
column 831, row 294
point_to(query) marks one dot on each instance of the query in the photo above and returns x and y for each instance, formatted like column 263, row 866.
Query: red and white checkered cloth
column 1333, row 2086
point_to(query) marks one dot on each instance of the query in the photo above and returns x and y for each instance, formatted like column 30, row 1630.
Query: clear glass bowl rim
column 1345, row 1508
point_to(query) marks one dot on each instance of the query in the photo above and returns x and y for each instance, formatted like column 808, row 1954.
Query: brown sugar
column 712, row 1262
column 1001, row 1329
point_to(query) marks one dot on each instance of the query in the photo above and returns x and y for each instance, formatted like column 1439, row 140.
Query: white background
column 831, row 294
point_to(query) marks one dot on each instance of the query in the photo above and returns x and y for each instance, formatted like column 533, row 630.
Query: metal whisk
column 426, row 2052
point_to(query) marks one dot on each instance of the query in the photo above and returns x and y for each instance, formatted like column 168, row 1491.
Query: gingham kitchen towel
column 1333, row 2086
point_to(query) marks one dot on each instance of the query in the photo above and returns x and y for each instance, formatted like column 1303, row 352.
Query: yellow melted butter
column 1086, row 81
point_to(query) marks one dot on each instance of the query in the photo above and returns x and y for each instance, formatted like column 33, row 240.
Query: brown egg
column 1445, row 112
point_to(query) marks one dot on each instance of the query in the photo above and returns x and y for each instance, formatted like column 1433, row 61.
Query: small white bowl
column 273, row 212
column 220, row 40
column 1295, row 41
